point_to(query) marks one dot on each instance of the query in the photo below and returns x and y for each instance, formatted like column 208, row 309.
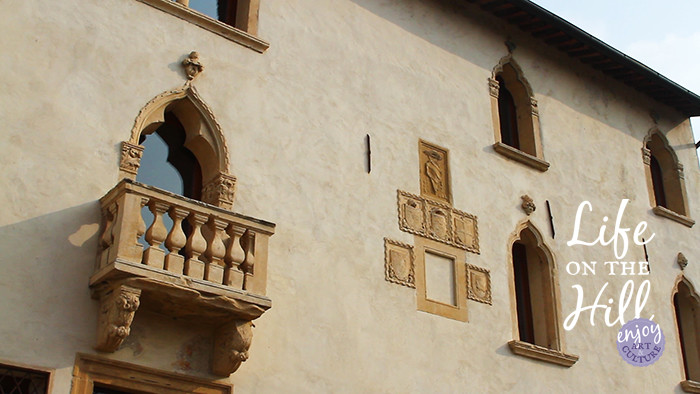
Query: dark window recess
column 507, row 115
column 226, row 10
column 684, row 352
column 657, row 180
column 522, row 293
column 182, row 159
column 14, row 380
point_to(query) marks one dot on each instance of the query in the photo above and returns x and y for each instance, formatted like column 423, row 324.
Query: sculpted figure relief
column 434, row 174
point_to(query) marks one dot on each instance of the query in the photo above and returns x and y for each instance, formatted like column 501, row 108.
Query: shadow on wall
column 45, row 266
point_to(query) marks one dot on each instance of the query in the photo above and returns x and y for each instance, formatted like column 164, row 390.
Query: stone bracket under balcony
column 211, row 270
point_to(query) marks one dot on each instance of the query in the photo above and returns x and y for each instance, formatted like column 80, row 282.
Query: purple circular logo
column 640, row 342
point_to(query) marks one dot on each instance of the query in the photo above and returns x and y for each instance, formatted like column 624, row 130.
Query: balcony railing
column 206, row 263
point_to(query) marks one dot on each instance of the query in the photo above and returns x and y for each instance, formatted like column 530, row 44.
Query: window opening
column 15, row 380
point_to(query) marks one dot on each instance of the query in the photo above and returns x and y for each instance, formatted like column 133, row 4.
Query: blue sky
column 664, row 35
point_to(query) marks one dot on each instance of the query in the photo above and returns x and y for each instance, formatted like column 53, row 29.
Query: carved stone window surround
column 541, row 353
column 530, row 150
column 245, row 36
column 90, row 370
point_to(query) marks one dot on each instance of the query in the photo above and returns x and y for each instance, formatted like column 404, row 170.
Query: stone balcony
column 206, row 264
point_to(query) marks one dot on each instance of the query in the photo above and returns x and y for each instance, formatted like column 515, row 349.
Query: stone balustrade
column 204, row 242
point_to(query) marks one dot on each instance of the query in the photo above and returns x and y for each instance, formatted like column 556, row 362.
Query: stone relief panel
column 411, row 213
column 465, row 232
column 437, row 221
column 399, row 263
column 478, row 284
column 434, row 172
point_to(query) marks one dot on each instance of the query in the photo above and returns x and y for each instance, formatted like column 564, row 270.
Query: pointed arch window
column 665, row 179
column 535, row 295
column 515, row 116
column 686, row 304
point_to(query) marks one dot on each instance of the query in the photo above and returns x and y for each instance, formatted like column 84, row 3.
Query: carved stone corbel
column 231, row 344
column 130, row 160
column 220, row 191
column 117, row 308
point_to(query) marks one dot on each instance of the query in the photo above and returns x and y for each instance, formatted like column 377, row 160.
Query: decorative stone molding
column 528, row 204
column 541, row 353
column 534, row 109
column 690, row 386
column 493, row 87
column 192, row 65
column 117, row 308
column 679, row 170
column 231, row 344
column 131, row 159
column 434, row 172
column 646, row 156
column 682, row 260
column 220, row 191
column 196, row 110
column 437, row 221
column 478, row 284
column 399, row 263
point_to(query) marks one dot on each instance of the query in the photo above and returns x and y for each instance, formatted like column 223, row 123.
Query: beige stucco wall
column 295, row 118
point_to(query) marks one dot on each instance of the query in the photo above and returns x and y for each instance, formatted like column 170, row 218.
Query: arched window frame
column 204, row 138
column 689, row 342
column 657, row 149
column 529, row 146
column 553, row 352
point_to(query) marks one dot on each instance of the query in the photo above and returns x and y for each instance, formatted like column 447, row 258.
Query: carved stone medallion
column 478, row 284
column 399, row 266
column 434, row 172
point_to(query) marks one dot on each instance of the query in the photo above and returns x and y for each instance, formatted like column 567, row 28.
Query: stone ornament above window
column 528, row 204
column 682, row 260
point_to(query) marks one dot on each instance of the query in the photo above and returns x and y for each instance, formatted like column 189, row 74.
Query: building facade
column 375, row 197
